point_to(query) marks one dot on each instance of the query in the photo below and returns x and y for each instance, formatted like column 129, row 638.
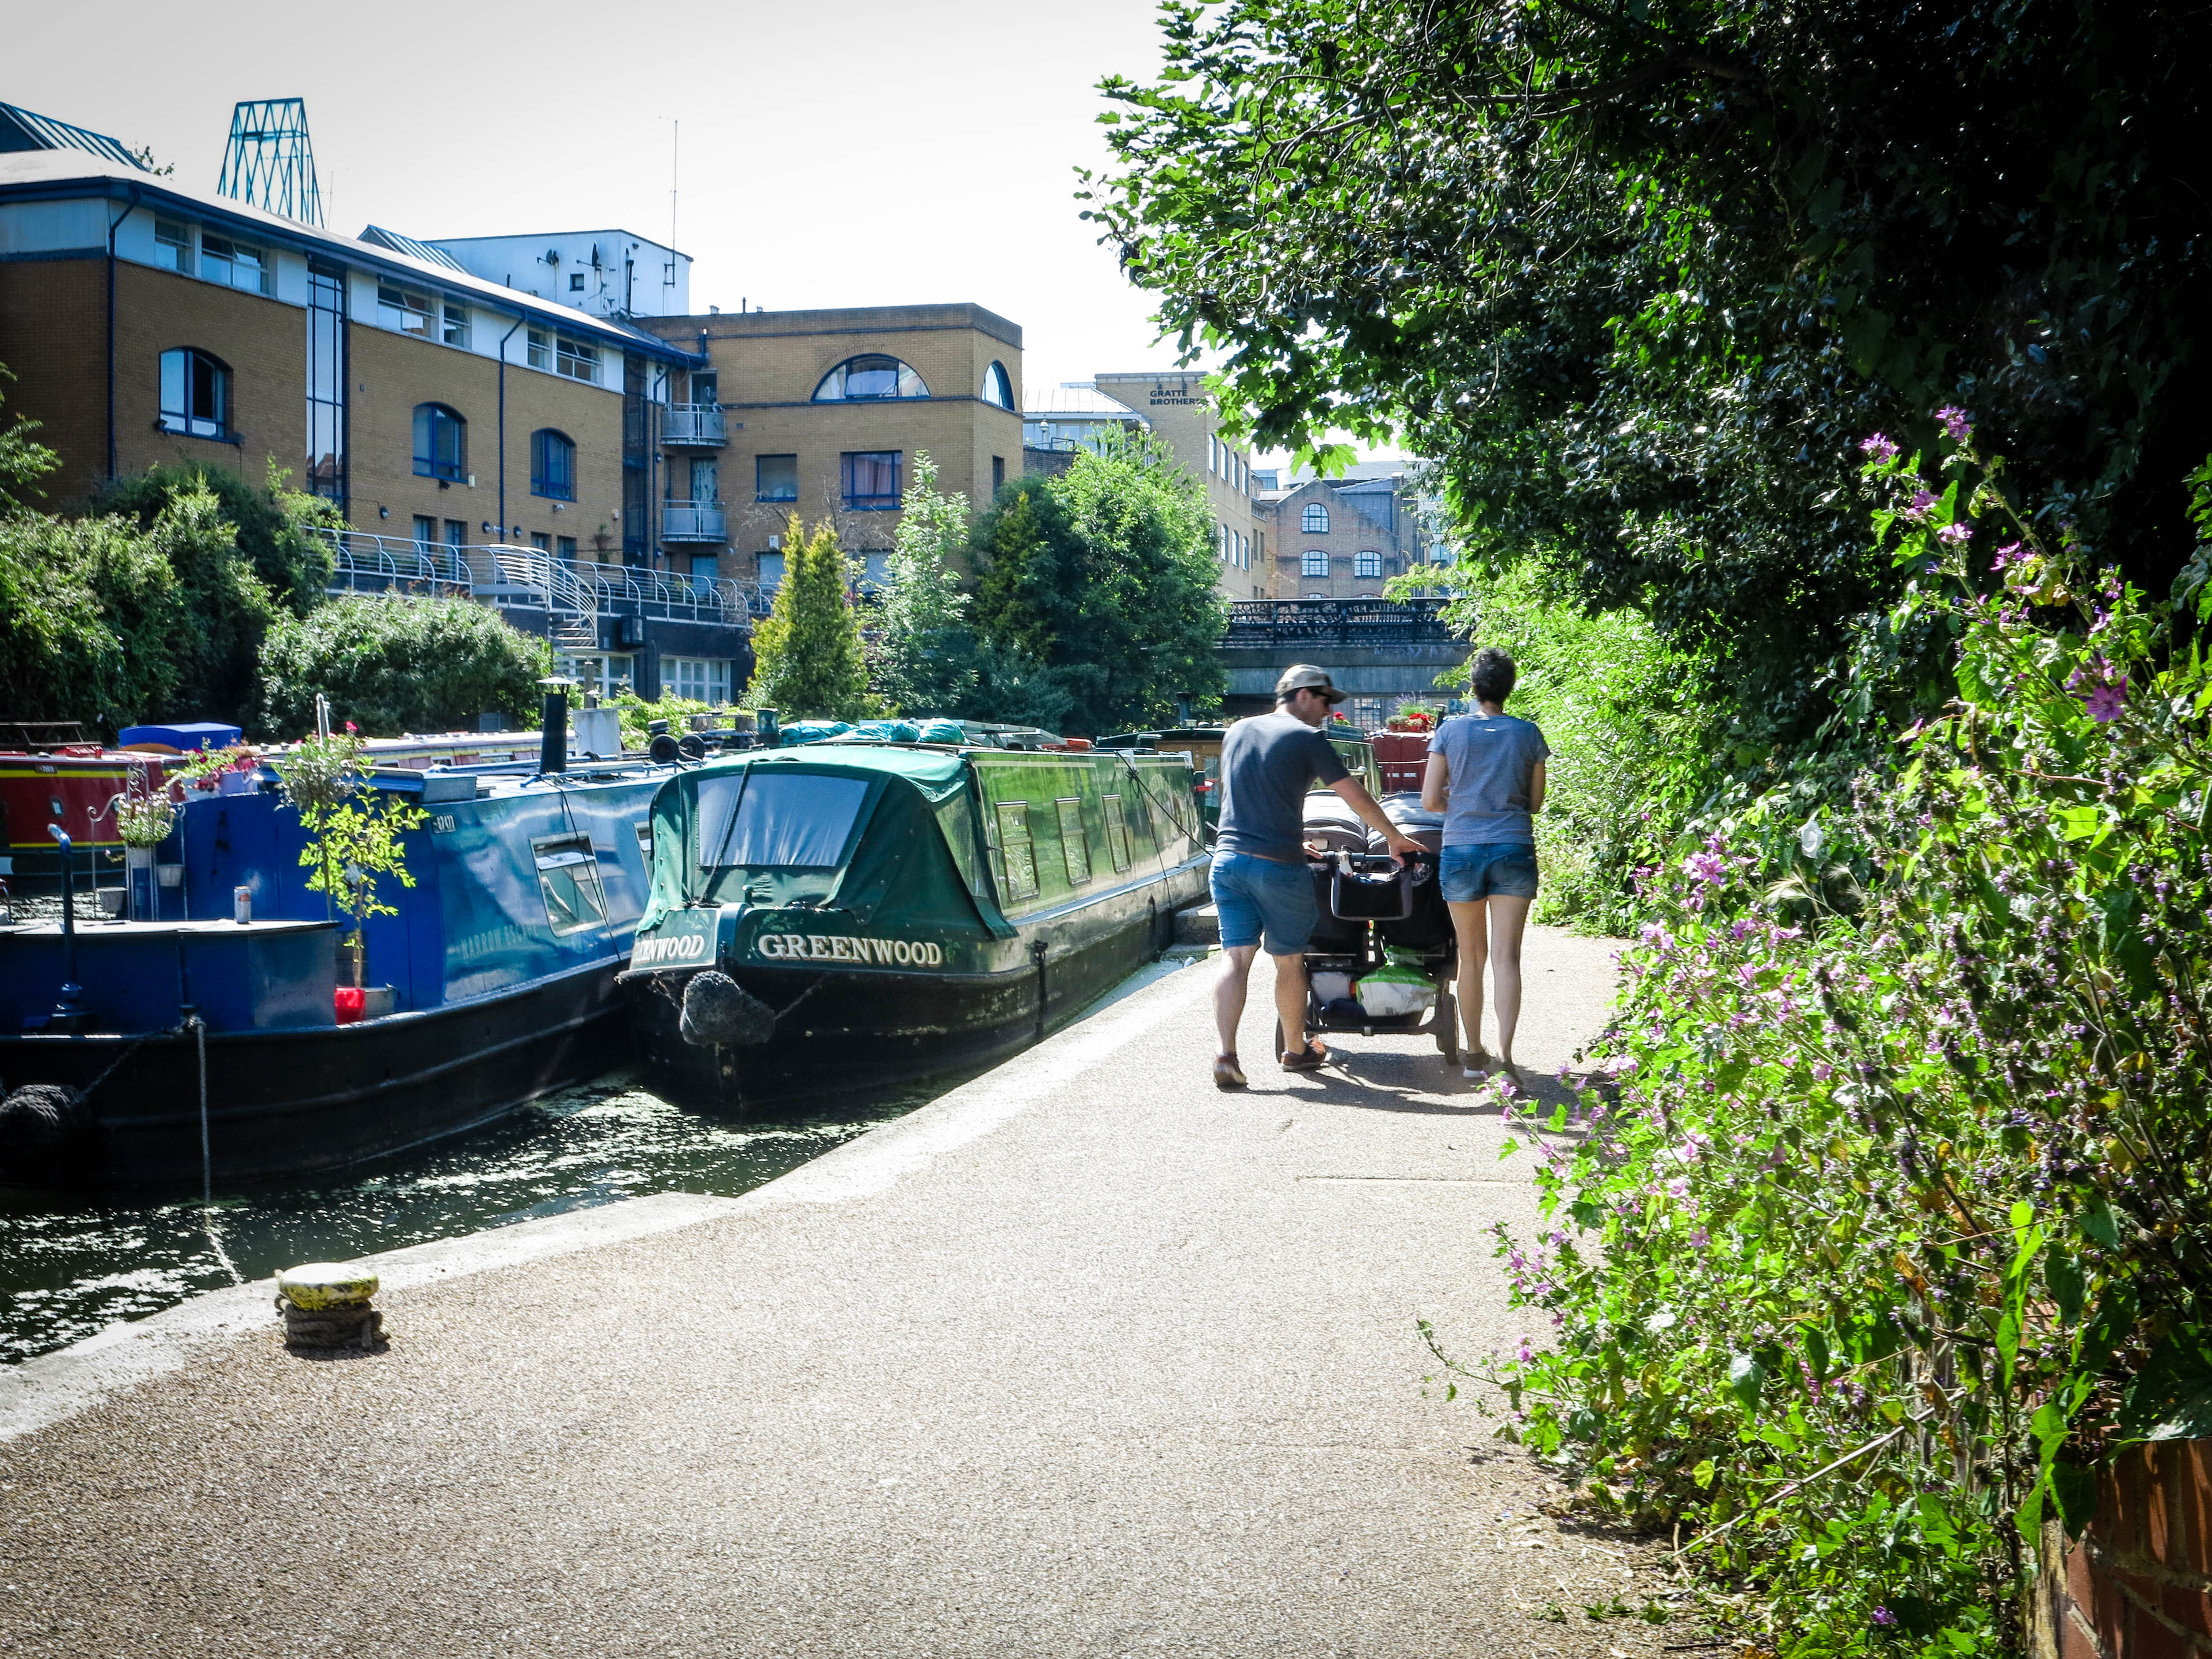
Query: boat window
column 1017, row 855
column 786, row 820
column 1117, row 834
column 644, row 828
column 568, row 876
column 1074, row 840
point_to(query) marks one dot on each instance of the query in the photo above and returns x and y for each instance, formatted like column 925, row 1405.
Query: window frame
column 264, row 270
column 701, row 679
column 1313, row 519
column 430, row 464
column 1074, row 850
column 395, row 305
column 571, row 851
column 1117, row 833
column 1010, row 819
column 998, row 387
column 872, row 501
column 180, row 246
column 902, row 372
column 1313, row 562
column 453, row 324
column 184, row 420
column 548, row 444
column 1367, row 566
column 761, row 494
column 575, row 360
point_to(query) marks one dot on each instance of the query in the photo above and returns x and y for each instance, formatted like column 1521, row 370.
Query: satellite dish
column 552, row 256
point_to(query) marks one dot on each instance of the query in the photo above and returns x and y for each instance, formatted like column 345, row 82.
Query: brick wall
column 53, row 339
column 2138, row 1584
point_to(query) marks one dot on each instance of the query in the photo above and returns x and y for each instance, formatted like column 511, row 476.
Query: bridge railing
column 1368, row 622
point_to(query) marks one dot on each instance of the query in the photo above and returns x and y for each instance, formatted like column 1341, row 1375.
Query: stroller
column 1383, row 956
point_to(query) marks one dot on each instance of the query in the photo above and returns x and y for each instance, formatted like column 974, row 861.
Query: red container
column 1401, row 757
column 350, row 999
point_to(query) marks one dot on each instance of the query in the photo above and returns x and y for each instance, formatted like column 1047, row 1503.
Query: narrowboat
column 204, row 1041
column 1203, row 744
column 858, row 913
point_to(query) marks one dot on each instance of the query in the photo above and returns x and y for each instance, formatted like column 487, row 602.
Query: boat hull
column 843, row 1029
column 283, row 1104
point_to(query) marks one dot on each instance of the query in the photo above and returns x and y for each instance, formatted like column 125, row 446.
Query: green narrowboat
column 857, row 913
column 1203, row 744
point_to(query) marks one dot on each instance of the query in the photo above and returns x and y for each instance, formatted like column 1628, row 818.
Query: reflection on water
column 69, row 1267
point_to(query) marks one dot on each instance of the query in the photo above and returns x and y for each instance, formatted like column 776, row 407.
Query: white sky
column 872, row 152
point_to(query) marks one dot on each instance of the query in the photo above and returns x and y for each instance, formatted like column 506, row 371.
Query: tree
column 394, row 663
column 275, row 525
column 1638, row 276
column 806, row 654
column 926, row 657
column 1103, row 576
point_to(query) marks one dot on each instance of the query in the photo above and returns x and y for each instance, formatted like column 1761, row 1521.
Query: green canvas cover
column 909, row 856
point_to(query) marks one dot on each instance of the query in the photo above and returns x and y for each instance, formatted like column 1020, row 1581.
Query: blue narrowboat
column 204, row 1040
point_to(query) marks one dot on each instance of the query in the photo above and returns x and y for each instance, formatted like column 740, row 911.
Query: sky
column 862, row 153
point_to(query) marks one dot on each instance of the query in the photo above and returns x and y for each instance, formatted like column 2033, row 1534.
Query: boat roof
column 931, row 764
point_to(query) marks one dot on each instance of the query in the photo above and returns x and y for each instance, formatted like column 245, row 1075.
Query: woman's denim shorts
column 1264, row 899
column 1489, row 869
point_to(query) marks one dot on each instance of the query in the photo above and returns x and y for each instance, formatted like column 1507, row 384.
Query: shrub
column 807, row 653
column 394, row 664
column 273, row 526
column 1887, row 1229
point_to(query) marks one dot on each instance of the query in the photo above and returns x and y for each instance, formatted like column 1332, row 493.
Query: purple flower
column 2009, row 554
column 1526, row 1356
column 1956, row 535
column 2106, row 702
column 1921, row 502
column 1884, row 1616
column 1954, row 422
column 1879, row 449
column 1708, row 867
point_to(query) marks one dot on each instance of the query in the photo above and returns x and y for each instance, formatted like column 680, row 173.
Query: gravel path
column 1084, row 1359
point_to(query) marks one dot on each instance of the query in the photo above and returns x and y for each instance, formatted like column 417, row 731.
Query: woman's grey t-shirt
column 1492, row 760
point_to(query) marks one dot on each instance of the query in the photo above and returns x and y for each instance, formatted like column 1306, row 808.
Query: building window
column 776, row 478
column 456, row 324
column 540, row 351
column 1439, row 554
column 997, row 473
column 564, row 549
column 576, row 282
column 195, row 394
column 552, row 465
column 1212, row 454
column 327, row 382
column 575, row 360
column 1314, row 520
column 1316, row 563
column 441, row 443
column 705, row 567
column 600, row 676
column 701, row 679
column 172, row 245
column 869, row 377
column 1367, row 564
column 237, row 263
column 540, row 541
column 409, row 314
column 457, row 534
column 870, row 480
column 998, row 387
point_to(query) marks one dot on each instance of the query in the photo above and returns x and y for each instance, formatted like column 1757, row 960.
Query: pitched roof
column 378, row 236
column 21, row 129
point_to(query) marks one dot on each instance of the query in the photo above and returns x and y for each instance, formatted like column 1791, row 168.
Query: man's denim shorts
column 1490, row 869
column 1264, row 900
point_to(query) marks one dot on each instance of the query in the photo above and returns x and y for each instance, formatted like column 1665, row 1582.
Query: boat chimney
column 553, row 742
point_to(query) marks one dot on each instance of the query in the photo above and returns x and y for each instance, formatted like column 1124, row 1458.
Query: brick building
column 1344, row 537
column 1175, row 405
column 444, row 414
column 823, row 412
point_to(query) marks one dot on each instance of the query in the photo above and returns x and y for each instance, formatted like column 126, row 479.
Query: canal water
column 69, row 1267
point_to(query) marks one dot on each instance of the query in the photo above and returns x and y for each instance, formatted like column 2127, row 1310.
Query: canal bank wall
column 1084, row 1357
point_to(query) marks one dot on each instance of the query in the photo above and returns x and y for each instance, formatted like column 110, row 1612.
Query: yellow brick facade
column 1182, row 416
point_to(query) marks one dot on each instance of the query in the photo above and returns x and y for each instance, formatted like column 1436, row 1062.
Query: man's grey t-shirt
column 1267, row 764
column 1492, row 760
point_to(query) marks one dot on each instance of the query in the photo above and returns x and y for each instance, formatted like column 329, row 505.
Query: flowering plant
column 1888, row 1215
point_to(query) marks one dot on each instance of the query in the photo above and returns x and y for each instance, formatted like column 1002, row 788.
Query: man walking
column 1261, row 887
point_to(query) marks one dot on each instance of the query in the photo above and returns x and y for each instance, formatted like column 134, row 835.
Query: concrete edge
column 57, row 1386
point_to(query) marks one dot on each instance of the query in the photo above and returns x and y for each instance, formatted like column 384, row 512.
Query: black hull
column 840, row 1031
column 283, row 1104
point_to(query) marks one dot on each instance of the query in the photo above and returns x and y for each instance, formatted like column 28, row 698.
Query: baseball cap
column 1301, row 676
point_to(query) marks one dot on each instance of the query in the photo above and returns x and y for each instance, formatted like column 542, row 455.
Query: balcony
column 696, row 426
column 694, row 521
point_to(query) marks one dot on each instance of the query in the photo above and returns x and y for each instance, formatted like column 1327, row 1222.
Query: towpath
column 1084, row 1359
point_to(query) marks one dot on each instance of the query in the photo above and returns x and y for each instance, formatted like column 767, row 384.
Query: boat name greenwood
column 845, row 947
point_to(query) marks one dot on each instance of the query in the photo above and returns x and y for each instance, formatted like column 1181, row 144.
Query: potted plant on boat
column 144, row 819
column 354, row 835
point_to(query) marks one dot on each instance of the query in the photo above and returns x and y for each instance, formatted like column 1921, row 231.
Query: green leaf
column 1746, row 1376
column 1703, row 1474
column 2171, row 1397
column 1816, row 1350
column 2075, row 1489
column 2069, row 1287
column 2098, row 1222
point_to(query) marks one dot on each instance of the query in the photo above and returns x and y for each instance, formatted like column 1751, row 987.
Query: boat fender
column 43, row 1129
column 718, row 1013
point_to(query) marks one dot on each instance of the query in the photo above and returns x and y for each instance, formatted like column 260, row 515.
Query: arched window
column 1316, row 519
column 1316, row 561
column 552, row 465
column 998, row 387
column 871, row 377
column 195, row 393
column 1367, row 564
column 441, row 443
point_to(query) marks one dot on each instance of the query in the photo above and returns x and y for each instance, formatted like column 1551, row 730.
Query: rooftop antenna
column 674, row 152
column 270, row 163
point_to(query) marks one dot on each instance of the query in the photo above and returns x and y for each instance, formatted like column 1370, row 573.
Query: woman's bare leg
column 1469, row 923
column 1508, row 916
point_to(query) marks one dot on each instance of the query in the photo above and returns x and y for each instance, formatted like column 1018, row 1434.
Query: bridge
column 1383, row 651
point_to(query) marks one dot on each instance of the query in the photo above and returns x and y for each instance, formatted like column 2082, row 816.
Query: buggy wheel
column 1448, row 1026
column 1279, row 1050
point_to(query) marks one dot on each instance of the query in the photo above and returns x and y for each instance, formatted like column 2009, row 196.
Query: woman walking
column 1485, row 774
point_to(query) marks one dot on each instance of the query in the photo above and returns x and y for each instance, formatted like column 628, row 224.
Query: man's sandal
column 1311, row 1058
column 1227, row 1073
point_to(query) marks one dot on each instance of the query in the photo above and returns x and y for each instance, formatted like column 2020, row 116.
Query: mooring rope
column 206, row 1160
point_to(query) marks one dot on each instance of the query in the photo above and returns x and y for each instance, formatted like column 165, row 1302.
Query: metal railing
column 693, row 521
column 499, row 573
column 1336, row 622
column 697, row 424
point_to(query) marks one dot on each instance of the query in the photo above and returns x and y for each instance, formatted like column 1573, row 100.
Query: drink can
column 241, row 905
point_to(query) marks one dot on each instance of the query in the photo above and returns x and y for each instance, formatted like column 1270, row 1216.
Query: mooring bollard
column 326, row 1306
